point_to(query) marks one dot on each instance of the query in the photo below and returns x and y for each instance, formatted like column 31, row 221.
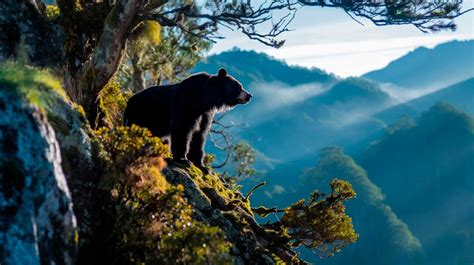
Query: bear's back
column 151, row 108
column 155, row 94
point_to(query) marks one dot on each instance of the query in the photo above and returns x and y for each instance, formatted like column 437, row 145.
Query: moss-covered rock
column 37, row 224
column 130, row 208
column 214, row 204
column 43, row 91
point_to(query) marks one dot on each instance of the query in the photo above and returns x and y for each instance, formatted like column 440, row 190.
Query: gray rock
column 37, row 224
column 246, row 249
column 72, row 132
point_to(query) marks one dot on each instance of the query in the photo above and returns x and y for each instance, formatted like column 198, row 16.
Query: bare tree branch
column 265, row 22
column 223, row 130
column 227, row 148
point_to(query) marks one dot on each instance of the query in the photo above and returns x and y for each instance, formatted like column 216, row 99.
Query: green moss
column 38, row 87
column 213, row 181
column 148, row 31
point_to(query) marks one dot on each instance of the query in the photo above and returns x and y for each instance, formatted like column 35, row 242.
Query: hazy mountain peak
column 443, row 65
column 355, row 89
column 251, row 66
column 460, row 95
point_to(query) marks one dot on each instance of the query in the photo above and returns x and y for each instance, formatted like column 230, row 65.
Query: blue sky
column 329, row 39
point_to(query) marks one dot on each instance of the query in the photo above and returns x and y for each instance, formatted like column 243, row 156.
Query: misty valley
column 402, row 135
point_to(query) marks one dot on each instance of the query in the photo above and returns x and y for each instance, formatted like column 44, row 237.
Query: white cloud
column 330, row 40
column 357, row 57
column 276, row 95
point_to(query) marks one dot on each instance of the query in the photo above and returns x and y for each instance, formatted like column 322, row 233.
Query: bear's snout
column 244, row 97
column 249, row 96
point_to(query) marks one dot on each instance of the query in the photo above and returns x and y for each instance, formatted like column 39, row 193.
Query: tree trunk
column 24, row 21
column 138, row 77
column 106, row 57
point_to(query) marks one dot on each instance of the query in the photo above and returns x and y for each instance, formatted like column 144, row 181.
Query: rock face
column 246, row 249
column 37, row 224
column 77, row 162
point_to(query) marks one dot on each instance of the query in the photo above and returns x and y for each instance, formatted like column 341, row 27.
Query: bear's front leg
column 196, row 151
column 196, row 147
column 180, row 139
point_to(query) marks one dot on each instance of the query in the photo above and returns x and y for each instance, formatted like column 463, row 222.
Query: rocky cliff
column 38, row 225
column 72, row 195
column 52, row 174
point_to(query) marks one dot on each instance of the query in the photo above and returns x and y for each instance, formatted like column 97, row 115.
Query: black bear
column 185, row 111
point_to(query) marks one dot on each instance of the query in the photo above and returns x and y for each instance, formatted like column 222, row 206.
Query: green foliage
column 243, row 158
column 155, row 54
column 112, row 102
column 125, row 145
column 196, row 244
column 52, row 12
column 159, row 229
column 150, row 221
column 321, row 223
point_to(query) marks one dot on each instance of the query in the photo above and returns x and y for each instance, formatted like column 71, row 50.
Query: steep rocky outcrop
column 46, row 169
column 77, row 152
column 210, row 206
column 50, row 176
column 66, row 191
column 38, row 225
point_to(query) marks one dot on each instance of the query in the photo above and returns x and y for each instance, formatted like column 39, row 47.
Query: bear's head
column 229, row 90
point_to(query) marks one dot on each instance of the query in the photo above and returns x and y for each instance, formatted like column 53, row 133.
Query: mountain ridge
column 460, row 94
column 440, row 66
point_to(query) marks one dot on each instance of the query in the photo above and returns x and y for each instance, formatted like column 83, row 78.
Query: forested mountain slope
column 441, row 66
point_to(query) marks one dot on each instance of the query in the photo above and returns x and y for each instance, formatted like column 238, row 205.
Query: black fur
column 184, row 111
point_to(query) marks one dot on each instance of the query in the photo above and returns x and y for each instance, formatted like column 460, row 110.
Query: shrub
column 112, row 103
column 320, row 223
column 149, row 220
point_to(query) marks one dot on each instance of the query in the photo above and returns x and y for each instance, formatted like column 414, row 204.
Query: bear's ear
column 222, row 73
